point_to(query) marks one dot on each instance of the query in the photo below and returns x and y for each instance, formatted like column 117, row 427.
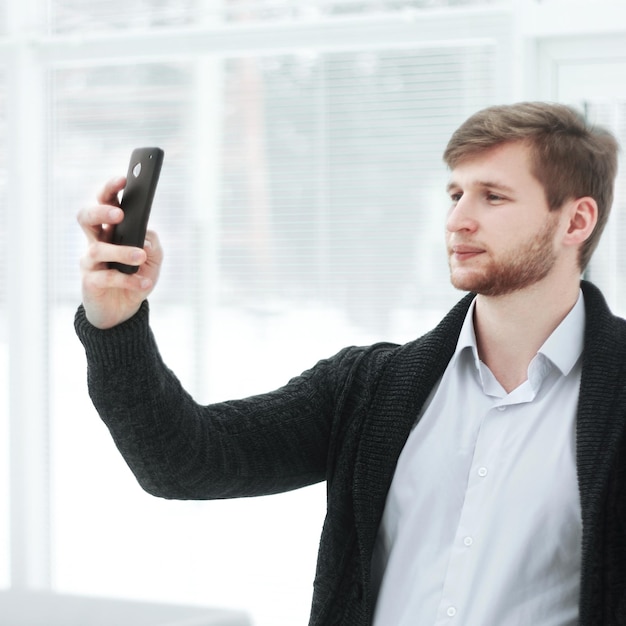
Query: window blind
column 350, row 147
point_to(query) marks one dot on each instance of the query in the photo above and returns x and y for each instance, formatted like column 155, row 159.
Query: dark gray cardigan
column 345, row 421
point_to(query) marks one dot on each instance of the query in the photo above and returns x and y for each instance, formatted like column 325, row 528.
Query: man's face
column 500, row 234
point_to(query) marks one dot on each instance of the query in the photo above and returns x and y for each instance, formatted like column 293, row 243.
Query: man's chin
column 480, row 287
column 485, row 288
column 466, row 283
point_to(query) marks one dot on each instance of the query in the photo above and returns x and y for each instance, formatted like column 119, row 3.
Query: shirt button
column 468, row 541
column 451, row 612
column 482, row 472
column 501, row 408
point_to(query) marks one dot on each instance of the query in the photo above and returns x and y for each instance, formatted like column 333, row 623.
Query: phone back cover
column 141, row 181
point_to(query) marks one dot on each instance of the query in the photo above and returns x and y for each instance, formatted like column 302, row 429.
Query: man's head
column 569, row 157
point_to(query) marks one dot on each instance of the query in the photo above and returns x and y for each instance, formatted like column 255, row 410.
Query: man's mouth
column 463, row 252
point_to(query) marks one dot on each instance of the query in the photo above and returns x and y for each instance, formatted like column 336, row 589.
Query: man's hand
column 111, row 297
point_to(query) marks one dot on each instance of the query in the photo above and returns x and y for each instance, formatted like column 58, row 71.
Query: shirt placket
column 469, row 536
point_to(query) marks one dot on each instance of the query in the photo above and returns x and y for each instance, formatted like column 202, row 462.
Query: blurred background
column 301, row 207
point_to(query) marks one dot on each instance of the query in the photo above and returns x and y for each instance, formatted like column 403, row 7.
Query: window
column 264, row 256
column 301, row 208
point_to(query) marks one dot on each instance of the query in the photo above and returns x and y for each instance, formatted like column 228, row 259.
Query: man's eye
column 493, row 197
column 455, row 197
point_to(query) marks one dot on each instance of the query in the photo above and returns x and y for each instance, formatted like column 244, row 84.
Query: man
column 476, row 475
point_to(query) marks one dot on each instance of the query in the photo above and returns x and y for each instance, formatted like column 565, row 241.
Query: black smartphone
column 144, row 168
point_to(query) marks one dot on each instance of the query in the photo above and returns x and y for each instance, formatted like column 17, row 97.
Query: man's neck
column 510, row 329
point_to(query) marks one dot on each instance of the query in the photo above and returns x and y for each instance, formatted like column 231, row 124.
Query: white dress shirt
column 482, row 524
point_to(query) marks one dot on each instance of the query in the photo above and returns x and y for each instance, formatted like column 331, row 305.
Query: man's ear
column 582, row 215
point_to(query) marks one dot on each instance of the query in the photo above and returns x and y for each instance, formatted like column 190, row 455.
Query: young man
column 476, row 475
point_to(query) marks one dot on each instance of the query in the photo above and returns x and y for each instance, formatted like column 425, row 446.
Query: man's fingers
column 153, row 247
column 97, row 220
column 108, row 280
column 109, row 193
column 99, row 252
column 98, row 215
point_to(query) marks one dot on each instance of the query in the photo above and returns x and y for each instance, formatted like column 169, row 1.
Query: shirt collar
column 563, row 347
column 467, row 337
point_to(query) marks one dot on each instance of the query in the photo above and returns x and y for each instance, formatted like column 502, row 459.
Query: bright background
column 301, row 207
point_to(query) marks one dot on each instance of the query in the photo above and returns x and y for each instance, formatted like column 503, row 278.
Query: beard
column 515, row 270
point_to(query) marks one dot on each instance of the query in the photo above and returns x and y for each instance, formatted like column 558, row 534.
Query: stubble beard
column 514, row 271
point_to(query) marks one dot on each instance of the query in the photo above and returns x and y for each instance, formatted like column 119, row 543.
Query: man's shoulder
column 431, row 350
column 597, row 310
column 605, row 333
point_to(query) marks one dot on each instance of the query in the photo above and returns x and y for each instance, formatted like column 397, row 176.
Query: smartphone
column 144, row 168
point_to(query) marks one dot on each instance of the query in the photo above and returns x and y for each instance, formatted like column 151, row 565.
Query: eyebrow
column 483, row 184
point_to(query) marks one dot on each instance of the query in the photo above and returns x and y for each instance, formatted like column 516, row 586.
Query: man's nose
column 462, row 216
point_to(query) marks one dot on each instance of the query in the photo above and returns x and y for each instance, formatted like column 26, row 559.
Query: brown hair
column 570, row 157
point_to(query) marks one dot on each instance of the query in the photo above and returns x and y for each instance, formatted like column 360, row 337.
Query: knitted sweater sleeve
column 180, row 449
